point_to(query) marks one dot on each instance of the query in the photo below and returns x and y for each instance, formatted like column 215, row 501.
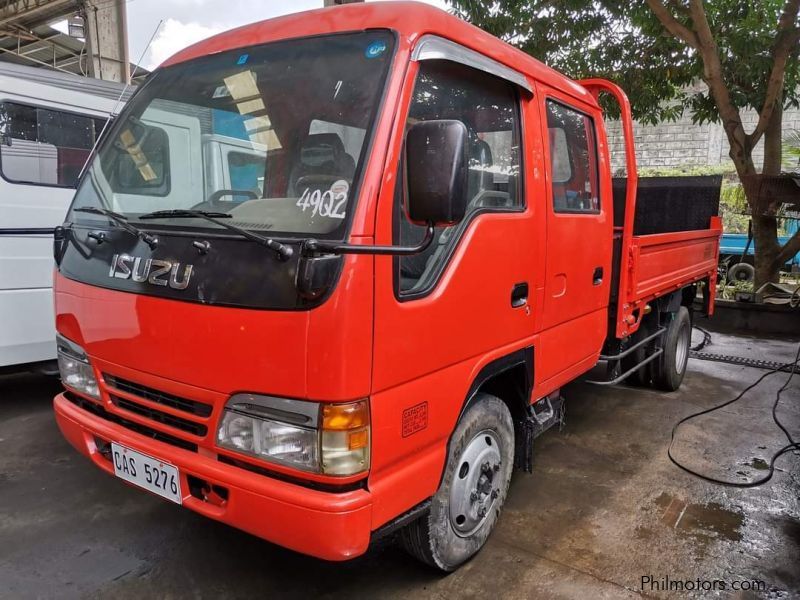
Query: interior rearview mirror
column 436, row 172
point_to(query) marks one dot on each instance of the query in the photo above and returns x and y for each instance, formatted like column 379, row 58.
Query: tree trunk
column 765, row 224
column 765, row 238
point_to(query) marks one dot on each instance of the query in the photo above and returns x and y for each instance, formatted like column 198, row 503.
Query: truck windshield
column 275, row 135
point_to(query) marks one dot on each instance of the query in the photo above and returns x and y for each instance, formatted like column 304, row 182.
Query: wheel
column 467, row 504
column 741, row 272
column 670, row 367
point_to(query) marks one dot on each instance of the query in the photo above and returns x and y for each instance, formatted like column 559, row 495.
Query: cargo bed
column 666, row 231
column 674, row 242
column 664, row 262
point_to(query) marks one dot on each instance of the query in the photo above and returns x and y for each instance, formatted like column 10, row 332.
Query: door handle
column 519, row 295
column 597, row 277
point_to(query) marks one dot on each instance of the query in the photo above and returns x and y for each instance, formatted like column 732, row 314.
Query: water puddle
column 704, row 521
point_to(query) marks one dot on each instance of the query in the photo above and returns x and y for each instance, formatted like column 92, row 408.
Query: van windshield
column 275, row 135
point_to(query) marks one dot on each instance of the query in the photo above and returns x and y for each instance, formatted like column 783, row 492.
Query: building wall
column 682, row 143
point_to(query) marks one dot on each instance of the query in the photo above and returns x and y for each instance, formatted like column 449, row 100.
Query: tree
column 745, row 51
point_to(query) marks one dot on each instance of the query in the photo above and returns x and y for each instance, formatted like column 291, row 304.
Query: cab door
column 470, row 297
column 579, row 237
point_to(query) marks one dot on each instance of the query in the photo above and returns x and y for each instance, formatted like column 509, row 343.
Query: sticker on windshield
column 375, row 49
column 329, row 203
column 340, row 187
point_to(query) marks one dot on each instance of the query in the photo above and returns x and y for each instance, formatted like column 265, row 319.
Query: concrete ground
column 604, row 509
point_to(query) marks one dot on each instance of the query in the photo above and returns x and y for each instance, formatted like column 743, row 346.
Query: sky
column 189, row 21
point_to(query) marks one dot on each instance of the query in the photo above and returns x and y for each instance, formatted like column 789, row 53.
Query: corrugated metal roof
column 42, row 46
column 32, row 13
column 45, row 47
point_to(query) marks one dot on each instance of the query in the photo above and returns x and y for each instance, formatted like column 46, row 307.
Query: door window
column 488, row 107
column 573, row 160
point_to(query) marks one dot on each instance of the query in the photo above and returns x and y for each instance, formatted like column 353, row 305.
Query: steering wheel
column 213, row 201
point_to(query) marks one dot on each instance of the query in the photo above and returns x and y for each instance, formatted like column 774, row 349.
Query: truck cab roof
column 411, row 20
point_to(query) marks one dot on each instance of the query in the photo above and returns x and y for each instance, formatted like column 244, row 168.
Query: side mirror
column 436, row 172
column 436, row 177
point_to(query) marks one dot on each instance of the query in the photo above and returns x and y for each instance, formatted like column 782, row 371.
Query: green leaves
column 791, row 150
column 625, row 42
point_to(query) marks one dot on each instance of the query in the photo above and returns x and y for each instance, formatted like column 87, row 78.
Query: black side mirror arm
column 313, row 246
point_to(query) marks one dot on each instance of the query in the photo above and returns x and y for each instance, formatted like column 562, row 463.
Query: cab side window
column 488, row 106
column 573, row 160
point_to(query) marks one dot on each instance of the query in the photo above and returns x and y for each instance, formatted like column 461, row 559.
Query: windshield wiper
column 122, row 221
column 284, row 252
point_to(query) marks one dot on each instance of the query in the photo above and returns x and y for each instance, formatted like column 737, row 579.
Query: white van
column 49, row 122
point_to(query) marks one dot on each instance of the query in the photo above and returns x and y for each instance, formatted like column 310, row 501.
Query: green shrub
column 732, row 208
column 791, row 150
column 726, row 171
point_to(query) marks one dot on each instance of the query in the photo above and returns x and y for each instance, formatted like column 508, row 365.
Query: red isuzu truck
column 326, row 274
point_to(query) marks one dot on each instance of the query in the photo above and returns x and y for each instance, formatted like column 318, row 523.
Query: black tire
column 741, row 272
column 434, row 538
column 669, row 369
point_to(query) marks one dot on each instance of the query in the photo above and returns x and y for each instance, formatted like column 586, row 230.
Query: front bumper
column 331, row 526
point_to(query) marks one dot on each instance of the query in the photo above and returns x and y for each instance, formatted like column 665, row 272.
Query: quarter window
column 44, row 146
column 488, row 106
column 573, row 160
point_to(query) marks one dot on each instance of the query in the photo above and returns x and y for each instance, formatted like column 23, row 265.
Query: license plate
column 149, row 473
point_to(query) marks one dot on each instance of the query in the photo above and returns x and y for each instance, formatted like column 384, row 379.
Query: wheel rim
column 477, row 483
column 682, row 349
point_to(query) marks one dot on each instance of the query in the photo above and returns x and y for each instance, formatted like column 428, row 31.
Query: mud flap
column 540, row 416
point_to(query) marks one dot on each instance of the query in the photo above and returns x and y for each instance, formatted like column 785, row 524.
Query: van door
column 579, row 239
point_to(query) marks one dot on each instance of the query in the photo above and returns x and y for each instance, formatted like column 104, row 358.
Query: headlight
column 323, row 438
column 268, row 439
column 76, row 372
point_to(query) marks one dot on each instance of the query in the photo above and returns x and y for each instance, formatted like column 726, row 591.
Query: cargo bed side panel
column 662, row 263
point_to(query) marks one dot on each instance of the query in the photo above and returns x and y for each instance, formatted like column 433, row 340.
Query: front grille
column 193, row 407
column 101, row 412
column 197, row 429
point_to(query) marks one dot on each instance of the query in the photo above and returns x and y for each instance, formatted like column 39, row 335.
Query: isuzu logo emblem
column 151, row 270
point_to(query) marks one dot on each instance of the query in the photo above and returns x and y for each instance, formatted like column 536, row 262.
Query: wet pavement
column 605, row 515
